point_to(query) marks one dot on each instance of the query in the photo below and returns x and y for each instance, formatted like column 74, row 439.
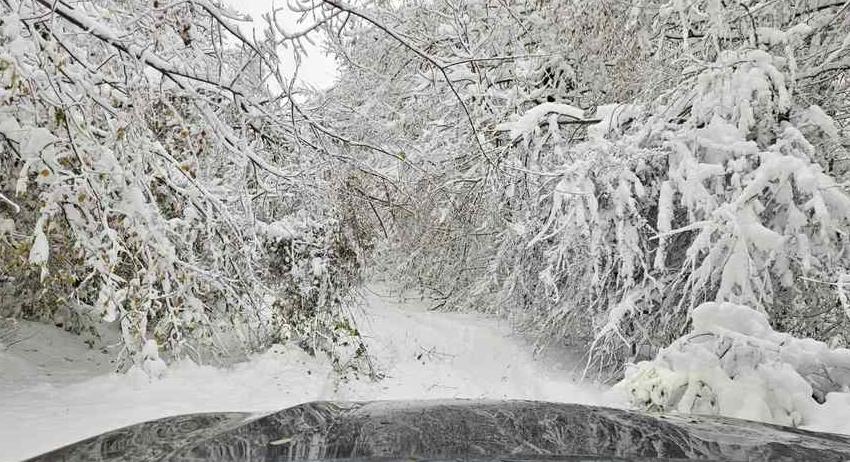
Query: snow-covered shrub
column 310, row 266
column 734, row 364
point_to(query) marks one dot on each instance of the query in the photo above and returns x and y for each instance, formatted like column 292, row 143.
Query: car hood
column 449, row 430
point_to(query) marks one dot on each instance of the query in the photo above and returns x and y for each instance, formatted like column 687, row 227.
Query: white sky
column 317, row 69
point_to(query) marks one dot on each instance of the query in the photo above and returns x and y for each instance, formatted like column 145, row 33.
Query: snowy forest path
column 436, row 354
column 420, row 354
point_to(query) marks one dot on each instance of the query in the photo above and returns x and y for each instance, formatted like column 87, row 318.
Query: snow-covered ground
column 56, row 390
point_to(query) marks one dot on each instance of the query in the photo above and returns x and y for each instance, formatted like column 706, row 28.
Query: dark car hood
column 452, row 430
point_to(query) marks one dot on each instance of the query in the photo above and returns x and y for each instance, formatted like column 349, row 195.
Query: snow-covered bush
column 310, row 266
column 734, row 364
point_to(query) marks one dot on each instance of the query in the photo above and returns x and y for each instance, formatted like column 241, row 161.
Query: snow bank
column 734, row 364
column 40, row 417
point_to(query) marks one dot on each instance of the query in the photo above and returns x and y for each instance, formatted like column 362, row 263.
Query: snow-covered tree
column 152, row 178
column 598, row 171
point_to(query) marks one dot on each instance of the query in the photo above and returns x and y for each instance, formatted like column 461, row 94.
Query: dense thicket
column 598, row 169
column 151, row 181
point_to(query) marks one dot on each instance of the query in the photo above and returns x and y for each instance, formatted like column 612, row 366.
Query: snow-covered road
column 59, row 394
column 428, row 354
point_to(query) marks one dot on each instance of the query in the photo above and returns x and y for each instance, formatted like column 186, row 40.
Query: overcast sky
column 317, row 69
